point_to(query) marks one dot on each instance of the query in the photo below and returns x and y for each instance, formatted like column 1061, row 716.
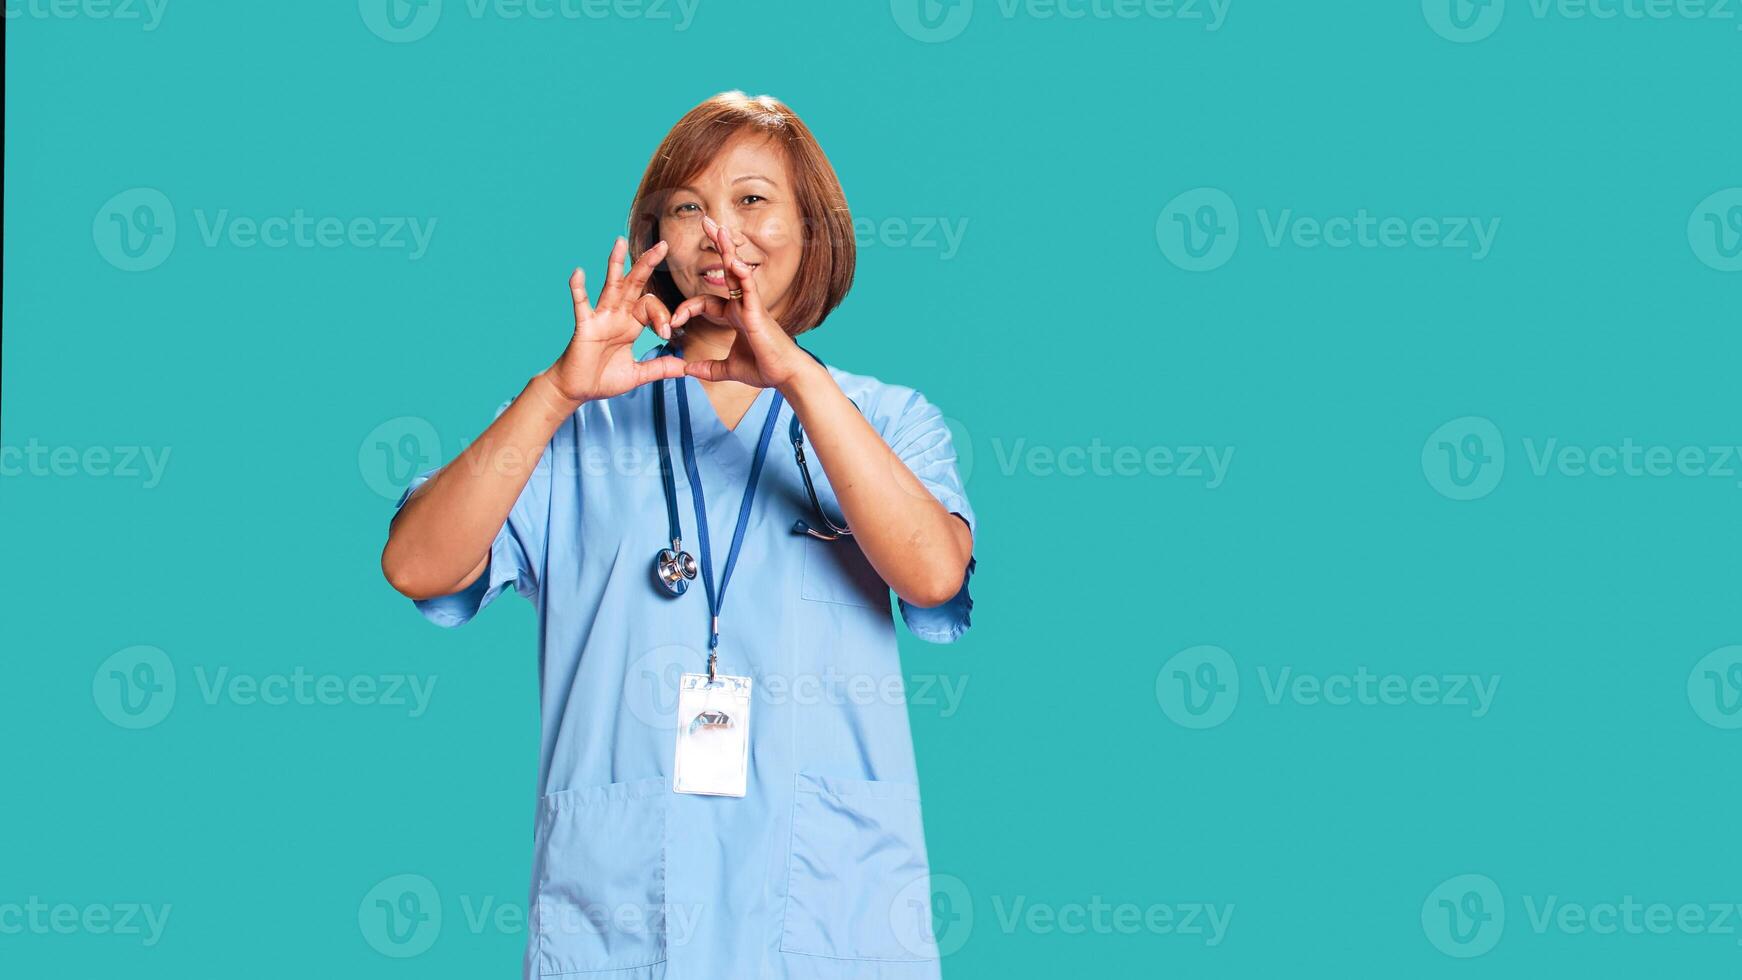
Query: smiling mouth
column 716, row 275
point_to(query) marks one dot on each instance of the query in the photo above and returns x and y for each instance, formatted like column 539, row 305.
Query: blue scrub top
column 820, row 869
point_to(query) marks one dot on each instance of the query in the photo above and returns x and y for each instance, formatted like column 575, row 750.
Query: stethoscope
column 674, row 568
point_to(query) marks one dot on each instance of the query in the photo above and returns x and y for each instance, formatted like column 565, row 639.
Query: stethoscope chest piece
column 674, row 568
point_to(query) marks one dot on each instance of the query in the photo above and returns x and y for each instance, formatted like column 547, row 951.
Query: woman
column 727, row 789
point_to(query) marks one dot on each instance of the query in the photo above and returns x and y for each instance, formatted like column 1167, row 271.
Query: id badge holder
column 713, row 735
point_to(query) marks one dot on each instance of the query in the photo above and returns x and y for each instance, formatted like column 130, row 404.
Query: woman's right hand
column 599, row 361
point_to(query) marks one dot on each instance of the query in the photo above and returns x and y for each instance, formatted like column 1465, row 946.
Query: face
column 748, row 188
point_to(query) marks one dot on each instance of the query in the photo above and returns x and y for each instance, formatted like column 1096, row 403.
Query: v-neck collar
column 708, row 428
column 750, row 409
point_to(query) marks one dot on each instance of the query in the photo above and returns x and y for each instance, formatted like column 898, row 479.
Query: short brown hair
column 824, row 274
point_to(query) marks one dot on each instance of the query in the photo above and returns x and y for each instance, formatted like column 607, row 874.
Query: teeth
column 719, row 275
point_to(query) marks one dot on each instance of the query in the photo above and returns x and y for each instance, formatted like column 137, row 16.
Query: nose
column 738, row 239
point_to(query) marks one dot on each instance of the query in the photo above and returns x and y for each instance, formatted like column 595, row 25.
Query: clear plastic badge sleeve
column 713, row 735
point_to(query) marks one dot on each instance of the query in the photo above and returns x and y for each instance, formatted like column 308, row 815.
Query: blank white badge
column 713, row 735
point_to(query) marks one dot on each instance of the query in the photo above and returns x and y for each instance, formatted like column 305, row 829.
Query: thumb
column 706, row 370
column 658, row 369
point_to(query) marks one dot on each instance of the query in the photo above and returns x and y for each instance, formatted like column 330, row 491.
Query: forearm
column 920, row 549
column 440, row 540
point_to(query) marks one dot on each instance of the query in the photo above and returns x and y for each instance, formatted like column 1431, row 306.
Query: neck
column 704, row 341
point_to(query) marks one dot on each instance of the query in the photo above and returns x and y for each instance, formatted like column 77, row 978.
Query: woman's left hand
column 763, row 354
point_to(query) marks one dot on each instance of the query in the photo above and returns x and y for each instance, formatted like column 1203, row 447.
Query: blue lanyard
column 716, row 596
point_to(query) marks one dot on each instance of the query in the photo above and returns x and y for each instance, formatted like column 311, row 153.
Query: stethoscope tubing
column 674, row 568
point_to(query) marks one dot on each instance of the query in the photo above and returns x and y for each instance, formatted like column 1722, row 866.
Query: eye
column 750, row 199
column 680, row 209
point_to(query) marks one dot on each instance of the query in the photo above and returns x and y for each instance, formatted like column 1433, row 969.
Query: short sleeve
column 921, row 438
column 516, row 554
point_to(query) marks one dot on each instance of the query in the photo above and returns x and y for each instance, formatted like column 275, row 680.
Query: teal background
column 1060, row 780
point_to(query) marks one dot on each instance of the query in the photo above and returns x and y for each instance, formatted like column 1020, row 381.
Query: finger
column 612, row 295
column 738, row 270
column 706, row 370
column 752, row 298
column 645, row 263
column 707, row 307
column 723, row 241
column 651, row 311
column 659, row 368
column 578, row 292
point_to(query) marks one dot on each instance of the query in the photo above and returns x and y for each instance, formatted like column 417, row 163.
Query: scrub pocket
column 857, row 883
column 599, row 885
column 837, row 571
